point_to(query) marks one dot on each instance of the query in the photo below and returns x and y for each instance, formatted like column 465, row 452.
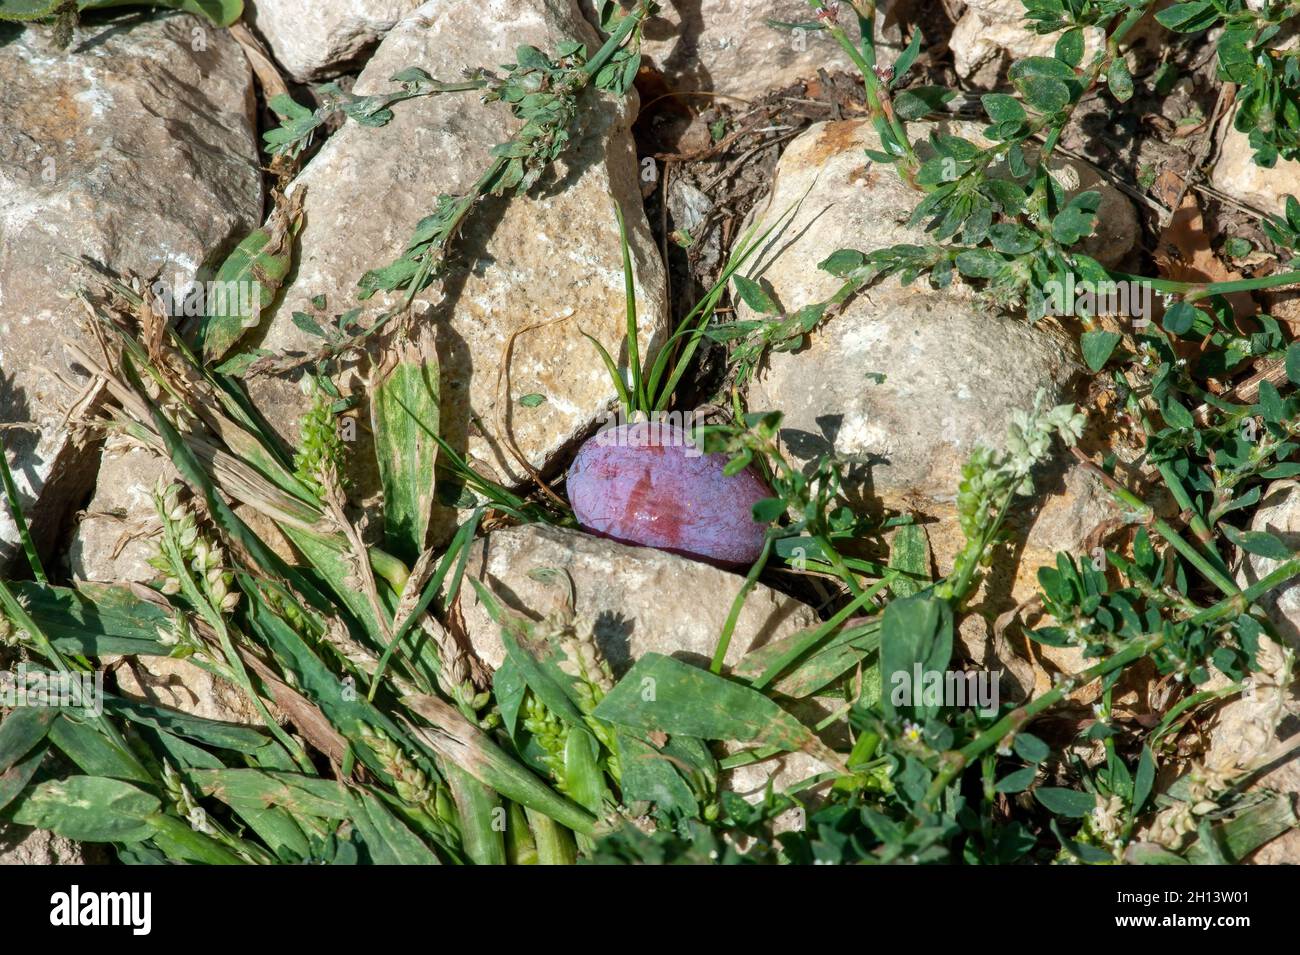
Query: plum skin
column 653, row 488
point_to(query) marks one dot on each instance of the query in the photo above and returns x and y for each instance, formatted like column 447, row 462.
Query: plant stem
column 955, row 761
column 1193, row 556
column 1194, row 291
column 882, row 114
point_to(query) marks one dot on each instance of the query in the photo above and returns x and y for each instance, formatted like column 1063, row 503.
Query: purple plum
column 648, row 484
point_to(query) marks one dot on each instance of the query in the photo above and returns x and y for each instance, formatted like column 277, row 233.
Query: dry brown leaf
column 1184, row 253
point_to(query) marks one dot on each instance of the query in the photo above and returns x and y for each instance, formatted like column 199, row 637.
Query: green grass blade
column 458, row 741
column 629, row 294
column 624, row 398
column 16, row 513
column 480, row 809
column 458, row 551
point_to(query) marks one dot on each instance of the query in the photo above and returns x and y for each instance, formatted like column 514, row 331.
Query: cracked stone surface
column 136, row 150
column 367, row 189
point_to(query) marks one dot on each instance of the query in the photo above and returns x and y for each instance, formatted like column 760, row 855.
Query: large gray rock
column 324, row 39
column 551, row 257
column 955, row 368
column 135, row 149
column 183, row 685
column 634, row 600
column 953, row 376
column 737, row 47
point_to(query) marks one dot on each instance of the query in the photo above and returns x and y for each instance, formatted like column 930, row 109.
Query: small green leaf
column 1003, row 108
column 1176, row 415
column 908, row 57
column 1097, row 347
column 909, row 552
column 1069, row 48
column 662, row 694
column 979, row 263
column 1016, row 782
column 89, row 809
column 920, row 100
column 1180, row 318
column 1259, row 543
column 1066, row 802
column 1293, row 363
column 1030, row 748
column 841, row 262
column 249, row 279
column 1119, row 80
column 914, row 631
column 1237, row 247
column 1187, row 17
column 768, row 509
column 755, row 296
column 1145, row 778
column 1013, row 239
column 26, row 9
column 532, row 400
column 21, row 731
column 404, row 416
column 1044, row 66
column 1076, row 220
column 1045, row 94
column 1270, row 403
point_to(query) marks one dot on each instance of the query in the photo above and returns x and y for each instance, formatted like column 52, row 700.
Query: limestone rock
column 138, row 151
column 548, row 262
column 1278, row 514
column 736, row 47
column 324, row 39
column 20, row 845
column 633, row 599
column 991, row 33
column 117, row 533
column 954, row 375
column 1236, row 174
column 954, row 369
column 111, row 544
column 184, row 685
